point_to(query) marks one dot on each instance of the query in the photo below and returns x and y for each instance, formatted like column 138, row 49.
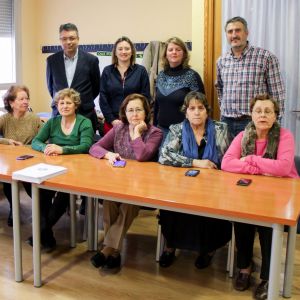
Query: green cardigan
column 78, row 141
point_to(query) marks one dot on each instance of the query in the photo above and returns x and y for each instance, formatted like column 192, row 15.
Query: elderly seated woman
column 196, row 142
column 134, row 139
column 263, row 148
column 17, row 127
column 68, row 133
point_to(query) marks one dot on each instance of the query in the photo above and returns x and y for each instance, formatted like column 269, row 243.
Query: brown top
column 21, row 130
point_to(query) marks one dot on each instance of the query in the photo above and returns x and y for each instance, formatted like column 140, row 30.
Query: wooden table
column 6, row 157
column 268, row 201
column 9, row 164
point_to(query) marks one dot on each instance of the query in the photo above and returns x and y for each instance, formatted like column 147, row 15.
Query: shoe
column 98, row 260
column 10, row 219
column 203, row 260
column 167, row 258
column 49, row 246
column 113, row 262
column 261, row 292
column 48, row 241
column 242, row 281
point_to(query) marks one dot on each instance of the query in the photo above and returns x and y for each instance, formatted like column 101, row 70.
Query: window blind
column 6, row 18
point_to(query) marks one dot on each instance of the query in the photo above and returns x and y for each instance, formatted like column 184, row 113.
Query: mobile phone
column 26, row 156
column 244, row 182
column 120, row 163
column 192, row 173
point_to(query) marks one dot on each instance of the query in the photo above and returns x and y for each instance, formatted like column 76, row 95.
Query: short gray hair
column 237, row 19
column 68, row 27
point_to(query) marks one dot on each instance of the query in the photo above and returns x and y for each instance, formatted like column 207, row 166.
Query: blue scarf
column 190, row 146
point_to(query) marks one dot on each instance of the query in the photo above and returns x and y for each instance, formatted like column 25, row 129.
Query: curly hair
column 11, row 95
column 71, row 93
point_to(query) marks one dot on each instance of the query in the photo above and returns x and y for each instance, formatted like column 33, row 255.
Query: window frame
column 16, row 35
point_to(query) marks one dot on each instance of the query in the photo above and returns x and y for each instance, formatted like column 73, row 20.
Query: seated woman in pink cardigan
column 263, row 149
column 135, row 139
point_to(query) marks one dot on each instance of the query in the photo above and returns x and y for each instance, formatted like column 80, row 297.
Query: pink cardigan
column 283, row 166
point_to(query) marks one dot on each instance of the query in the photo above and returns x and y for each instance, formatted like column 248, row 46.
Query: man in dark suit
column 76, row 69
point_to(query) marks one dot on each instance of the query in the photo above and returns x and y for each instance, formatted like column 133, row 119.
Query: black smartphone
column 26, row 156
column 244, row 182
column 120, row 163
column 192, row 173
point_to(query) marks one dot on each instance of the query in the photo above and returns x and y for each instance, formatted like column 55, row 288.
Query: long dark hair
column 133, row 51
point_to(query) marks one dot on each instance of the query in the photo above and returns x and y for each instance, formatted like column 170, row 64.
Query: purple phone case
column 120, row 163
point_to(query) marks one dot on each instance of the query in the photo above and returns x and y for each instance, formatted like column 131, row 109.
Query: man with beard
column 242, row 73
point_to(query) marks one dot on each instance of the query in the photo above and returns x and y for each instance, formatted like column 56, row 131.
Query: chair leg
column 229, row 256
column 159, row 244
column 85, row 225
column 72, row 221
column 96, row 217
column 232, row 248
column 90, row 217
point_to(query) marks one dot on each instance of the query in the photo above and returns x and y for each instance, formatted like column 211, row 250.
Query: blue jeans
column 235, row 126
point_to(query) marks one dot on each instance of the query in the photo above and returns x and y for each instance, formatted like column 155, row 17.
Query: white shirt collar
column 71, row 58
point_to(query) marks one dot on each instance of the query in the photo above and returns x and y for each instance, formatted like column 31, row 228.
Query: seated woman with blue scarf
column 201, row 143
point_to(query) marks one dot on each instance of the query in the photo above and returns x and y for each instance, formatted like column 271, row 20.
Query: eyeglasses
column 136, row 110
column 266, row 112
column 71, row 39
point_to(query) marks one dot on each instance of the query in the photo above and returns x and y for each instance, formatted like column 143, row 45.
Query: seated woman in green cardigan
column 68, row 133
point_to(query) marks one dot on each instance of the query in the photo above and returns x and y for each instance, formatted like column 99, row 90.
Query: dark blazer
column 86, row 79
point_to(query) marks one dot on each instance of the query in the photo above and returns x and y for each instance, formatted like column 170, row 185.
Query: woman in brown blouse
column 17, row 127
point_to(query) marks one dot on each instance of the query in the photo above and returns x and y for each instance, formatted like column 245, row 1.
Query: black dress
column 196, row 233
